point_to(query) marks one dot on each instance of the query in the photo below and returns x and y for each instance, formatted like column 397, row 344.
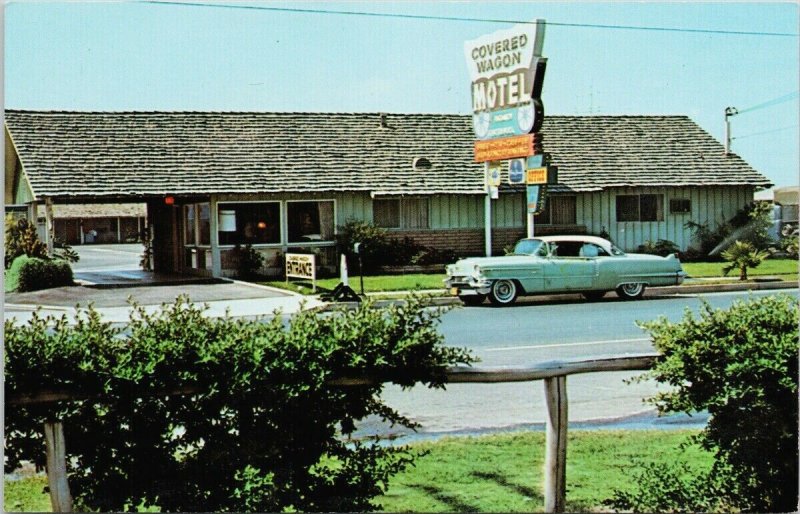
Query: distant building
column 285, row 181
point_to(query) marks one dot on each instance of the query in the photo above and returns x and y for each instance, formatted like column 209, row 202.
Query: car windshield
column 528, row 247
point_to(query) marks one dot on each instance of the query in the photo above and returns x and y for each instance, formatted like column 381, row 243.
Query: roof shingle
column 85, row 155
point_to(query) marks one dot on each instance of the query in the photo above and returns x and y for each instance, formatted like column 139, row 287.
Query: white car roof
column 599, row 241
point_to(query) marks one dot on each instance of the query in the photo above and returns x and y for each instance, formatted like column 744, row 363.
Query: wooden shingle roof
column 128, row 155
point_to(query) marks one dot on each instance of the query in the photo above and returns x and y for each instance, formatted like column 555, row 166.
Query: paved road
column 107, row 257
column 539, row 332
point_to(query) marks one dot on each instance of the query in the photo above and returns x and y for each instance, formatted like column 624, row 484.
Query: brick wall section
column 466, row 242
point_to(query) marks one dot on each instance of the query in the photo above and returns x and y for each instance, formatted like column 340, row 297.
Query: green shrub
column 751, row 223
column 789, row 245
column 670, row 487
column 262, row 429
column 32, row 273
column 741, row 365
column 248, row 262
column 662, row 247
column 375, row 250
column 22, row 239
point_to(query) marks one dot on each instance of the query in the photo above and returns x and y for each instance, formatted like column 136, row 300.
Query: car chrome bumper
column 466, row 286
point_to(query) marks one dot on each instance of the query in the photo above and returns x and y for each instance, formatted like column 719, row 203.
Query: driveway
column 110, row 278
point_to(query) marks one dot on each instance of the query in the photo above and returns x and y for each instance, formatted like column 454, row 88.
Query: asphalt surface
column 596, row 400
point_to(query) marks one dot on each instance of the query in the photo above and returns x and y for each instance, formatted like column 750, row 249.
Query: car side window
column 542, row 251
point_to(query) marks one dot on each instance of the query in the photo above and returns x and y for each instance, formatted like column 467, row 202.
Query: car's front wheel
column 472, row 299
column 503, row 292
column 632, row 291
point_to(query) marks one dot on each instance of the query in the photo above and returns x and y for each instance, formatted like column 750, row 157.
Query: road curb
column 442, row 300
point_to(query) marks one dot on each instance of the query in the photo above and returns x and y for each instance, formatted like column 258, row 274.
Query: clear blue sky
column 143, row 56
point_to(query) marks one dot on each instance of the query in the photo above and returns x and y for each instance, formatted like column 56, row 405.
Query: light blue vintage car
column 588, row 265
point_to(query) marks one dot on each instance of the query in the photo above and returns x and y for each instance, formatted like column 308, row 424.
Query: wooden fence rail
column 553, row 373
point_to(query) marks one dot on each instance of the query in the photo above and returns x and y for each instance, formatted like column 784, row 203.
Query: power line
column 463, row 19
column 770, row 103
column 765, row 132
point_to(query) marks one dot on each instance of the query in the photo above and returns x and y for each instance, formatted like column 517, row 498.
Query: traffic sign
column 493, row 176
column 516, row 171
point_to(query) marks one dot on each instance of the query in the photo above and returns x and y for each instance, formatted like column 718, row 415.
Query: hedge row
column 266, row 430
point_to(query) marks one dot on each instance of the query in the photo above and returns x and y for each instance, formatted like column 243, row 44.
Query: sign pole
column 487, row 210
column 531, row 223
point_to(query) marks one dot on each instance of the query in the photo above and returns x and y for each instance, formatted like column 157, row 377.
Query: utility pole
column 729, row 111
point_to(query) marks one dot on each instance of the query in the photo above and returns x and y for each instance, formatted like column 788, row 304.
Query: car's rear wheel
column 472, row 299
column 632, row 291
column 594, row 295
column 503, row 292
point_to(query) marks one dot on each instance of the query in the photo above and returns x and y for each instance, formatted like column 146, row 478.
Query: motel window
column 558, row 210
column 386, row 213
column 310, row 221
column 249, row 223
column 197, row 224
column 640, row 208
column 406, row 213
column 680, row 206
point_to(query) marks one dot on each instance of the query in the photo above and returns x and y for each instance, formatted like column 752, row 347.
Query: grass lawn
column 494, row 473
column 380, row 283
column 503, row 473
column 784, row 268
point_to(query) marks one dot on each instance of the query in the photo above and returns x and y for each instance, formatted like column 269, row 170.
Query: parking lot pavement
column 237, row 298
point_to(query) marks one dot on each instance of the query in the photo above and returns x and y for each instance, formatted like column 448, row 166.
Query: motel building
column 285, row 182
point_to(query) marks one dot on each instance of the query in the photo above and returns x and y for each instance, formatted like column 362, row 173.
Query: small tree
column 741, row 365
column 22, row 239
column 742, row 255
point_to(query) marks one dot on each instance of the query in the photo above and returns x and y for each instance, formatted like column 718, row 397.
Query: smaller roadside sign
column 505, row 148
column 516, row 171
column 536, row 198
column 493, row 174
column 536, row 176
column 533, row 199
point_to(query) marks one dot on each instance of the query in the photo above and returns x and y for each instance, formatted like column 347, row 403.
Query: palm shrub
column 740, row 365
column 22, row 239
column 742, row 255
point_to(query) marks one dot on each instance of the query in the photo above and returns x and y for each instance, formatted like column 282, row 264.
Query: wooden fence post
column 60, row 498
column 555, row 460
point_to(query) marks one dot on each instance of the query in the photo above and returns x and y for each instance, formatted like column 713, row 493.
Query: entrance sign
column 506, row 148
column 301, row 265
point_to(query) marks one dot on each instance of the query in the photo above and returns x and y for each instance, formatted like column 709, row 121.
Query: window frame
column 196, row 241
column 281, row 224
column 673, row 202
column 659, row 210
column 401, row 211
column 549, row 210
column 285, row 223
